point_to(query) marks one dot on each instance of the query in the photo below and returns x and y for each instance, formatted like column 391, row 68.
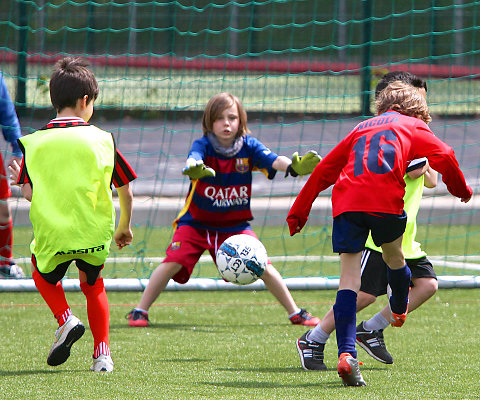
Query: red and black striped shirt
column 123, row 173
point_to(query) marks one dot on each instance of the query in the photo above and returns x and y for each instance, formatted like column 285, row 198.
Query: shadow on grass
column 195, row 327
column 293, row 369
column 270, row 385
column 185, row 360
column 263, row 369
column 35, row 372
column 172, row 327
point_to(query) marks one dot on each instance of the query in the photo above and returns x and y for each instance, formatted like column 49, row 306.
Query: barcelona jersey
column 222, row 202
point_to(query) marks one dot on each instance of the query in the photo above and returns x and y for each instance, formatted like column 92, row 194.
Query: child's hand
column 467, row 199
column 14, row 169
column 303, row 165
column 196, row 169
column 123, row 237
column 295, row 224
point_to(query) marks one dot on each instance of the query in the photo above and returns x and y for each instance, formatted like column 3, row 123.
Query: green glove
column 196, row 169
column 303, row 165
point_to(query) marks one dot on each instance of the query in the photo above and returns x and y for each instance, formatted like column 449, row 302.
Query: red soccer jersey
column 368, row 166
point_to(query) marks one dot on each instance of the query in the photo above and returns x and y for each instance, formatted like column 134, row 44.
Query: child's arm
column 26, row 188
column 298, row 165
column 281, row 163
column 196, row 169
column 431, row 176
column 123, row 235
column 442, row 158
column 324, row 175
column 27, row 191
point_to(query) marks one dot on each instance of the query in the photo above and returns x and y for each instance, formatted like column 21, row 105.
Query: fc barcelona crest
column 175, row 246
column 242, row 165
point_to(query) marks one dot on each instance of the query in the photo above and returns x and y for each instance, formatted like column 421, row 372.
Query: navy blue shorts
column 350, row 230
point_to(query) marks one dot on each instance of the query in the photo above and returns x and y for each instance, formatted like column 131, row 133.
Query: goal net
column 305, row 71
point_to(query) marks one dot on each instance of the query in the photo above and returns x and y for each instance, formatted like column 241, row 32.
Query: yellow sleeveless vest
column 413, row 196
column 72, row 211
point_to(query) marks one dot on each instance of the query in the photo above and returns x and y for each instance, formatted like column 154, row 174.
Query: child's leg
column 6, row 226
column 345, row 307
column 275, row 284
column 186, row 247
column 398, row 275
column 6, row 240
column 423, row 289
column 157, row 283
column 54, row 296
column 322, row 331
column 98, row 313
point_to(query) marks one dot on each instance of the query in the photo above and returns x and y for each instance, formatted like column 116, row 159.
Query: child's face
column 225, row 127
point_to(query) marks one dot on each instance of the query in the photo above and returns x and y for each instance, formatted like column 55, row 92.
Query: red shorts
column 189, row 243
column 5, row 191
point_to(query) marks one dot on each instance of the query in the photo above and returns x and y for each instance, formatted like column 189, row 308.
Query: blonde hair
column 215, row 107
column 405, row 99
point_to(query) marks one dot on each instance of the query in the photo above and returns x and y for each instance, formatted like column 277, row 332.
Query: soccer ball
column 241, row 259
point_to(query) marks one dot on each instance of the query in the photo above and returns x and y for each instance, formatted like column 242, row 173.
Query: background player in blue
column 11, row 132
column 220, row 166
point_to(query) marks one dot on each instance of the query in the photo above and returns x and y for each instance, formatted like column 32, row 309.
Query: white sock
column 140, row 309
column 376, row 323
column 318, row 335
column 295, row 313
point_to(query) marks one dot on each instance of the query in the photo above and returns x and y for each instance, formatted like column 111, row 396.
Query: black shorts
column 350, row 230
column 374, row 271
column 92, row 271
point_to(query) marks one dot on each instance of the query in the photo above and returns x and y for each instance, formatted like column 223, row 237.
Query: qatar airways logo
column 227, row 197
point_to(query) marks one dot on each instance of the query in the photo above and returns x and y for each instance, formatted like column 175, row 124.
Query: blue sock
column 399, row 281
column 345, row 312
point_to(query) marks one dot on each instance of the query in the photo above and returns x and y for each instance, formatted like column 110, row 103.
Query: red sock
column 54, row 296
column 98, row 315
column 6, row 241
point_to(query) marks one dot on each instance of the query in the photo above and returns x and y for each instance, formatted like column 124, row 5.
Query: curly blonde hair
column 405, row 99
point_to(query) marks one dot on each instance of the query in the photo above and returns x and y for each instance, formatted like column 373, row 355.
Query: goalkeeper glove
column 303, row 165
column 196, row 169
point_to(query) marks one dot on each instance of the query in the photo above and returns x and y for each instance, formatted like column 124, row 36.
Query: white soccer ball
column 241, row 259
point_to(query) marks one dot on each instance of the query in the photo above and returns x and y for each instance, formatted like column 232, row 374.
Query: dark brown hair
column 214, row 108
column 403, row 76
column 70, row 81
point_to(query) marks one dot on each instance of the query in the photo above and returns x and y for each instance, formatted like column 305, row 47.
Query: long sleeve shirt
column 367, row 168
column 8, row 119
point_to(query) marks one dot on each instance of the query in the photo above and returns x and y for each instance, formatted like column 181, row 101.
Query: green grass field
column 217, row 345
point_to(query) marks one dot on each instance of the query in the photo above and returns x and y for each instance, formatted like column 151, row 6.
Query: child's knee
column 428, row 286
column 97, row 287
column 394, row 260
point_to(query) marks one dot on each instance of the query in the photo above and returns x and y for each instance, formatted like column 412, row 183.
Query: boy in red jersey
column 220, row 166
column 367, row 170
column 67, row 172
column 374, row 282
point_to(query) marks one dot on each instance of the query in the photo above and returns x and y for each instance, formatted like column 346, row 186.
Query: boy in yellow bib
column 67, row 171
